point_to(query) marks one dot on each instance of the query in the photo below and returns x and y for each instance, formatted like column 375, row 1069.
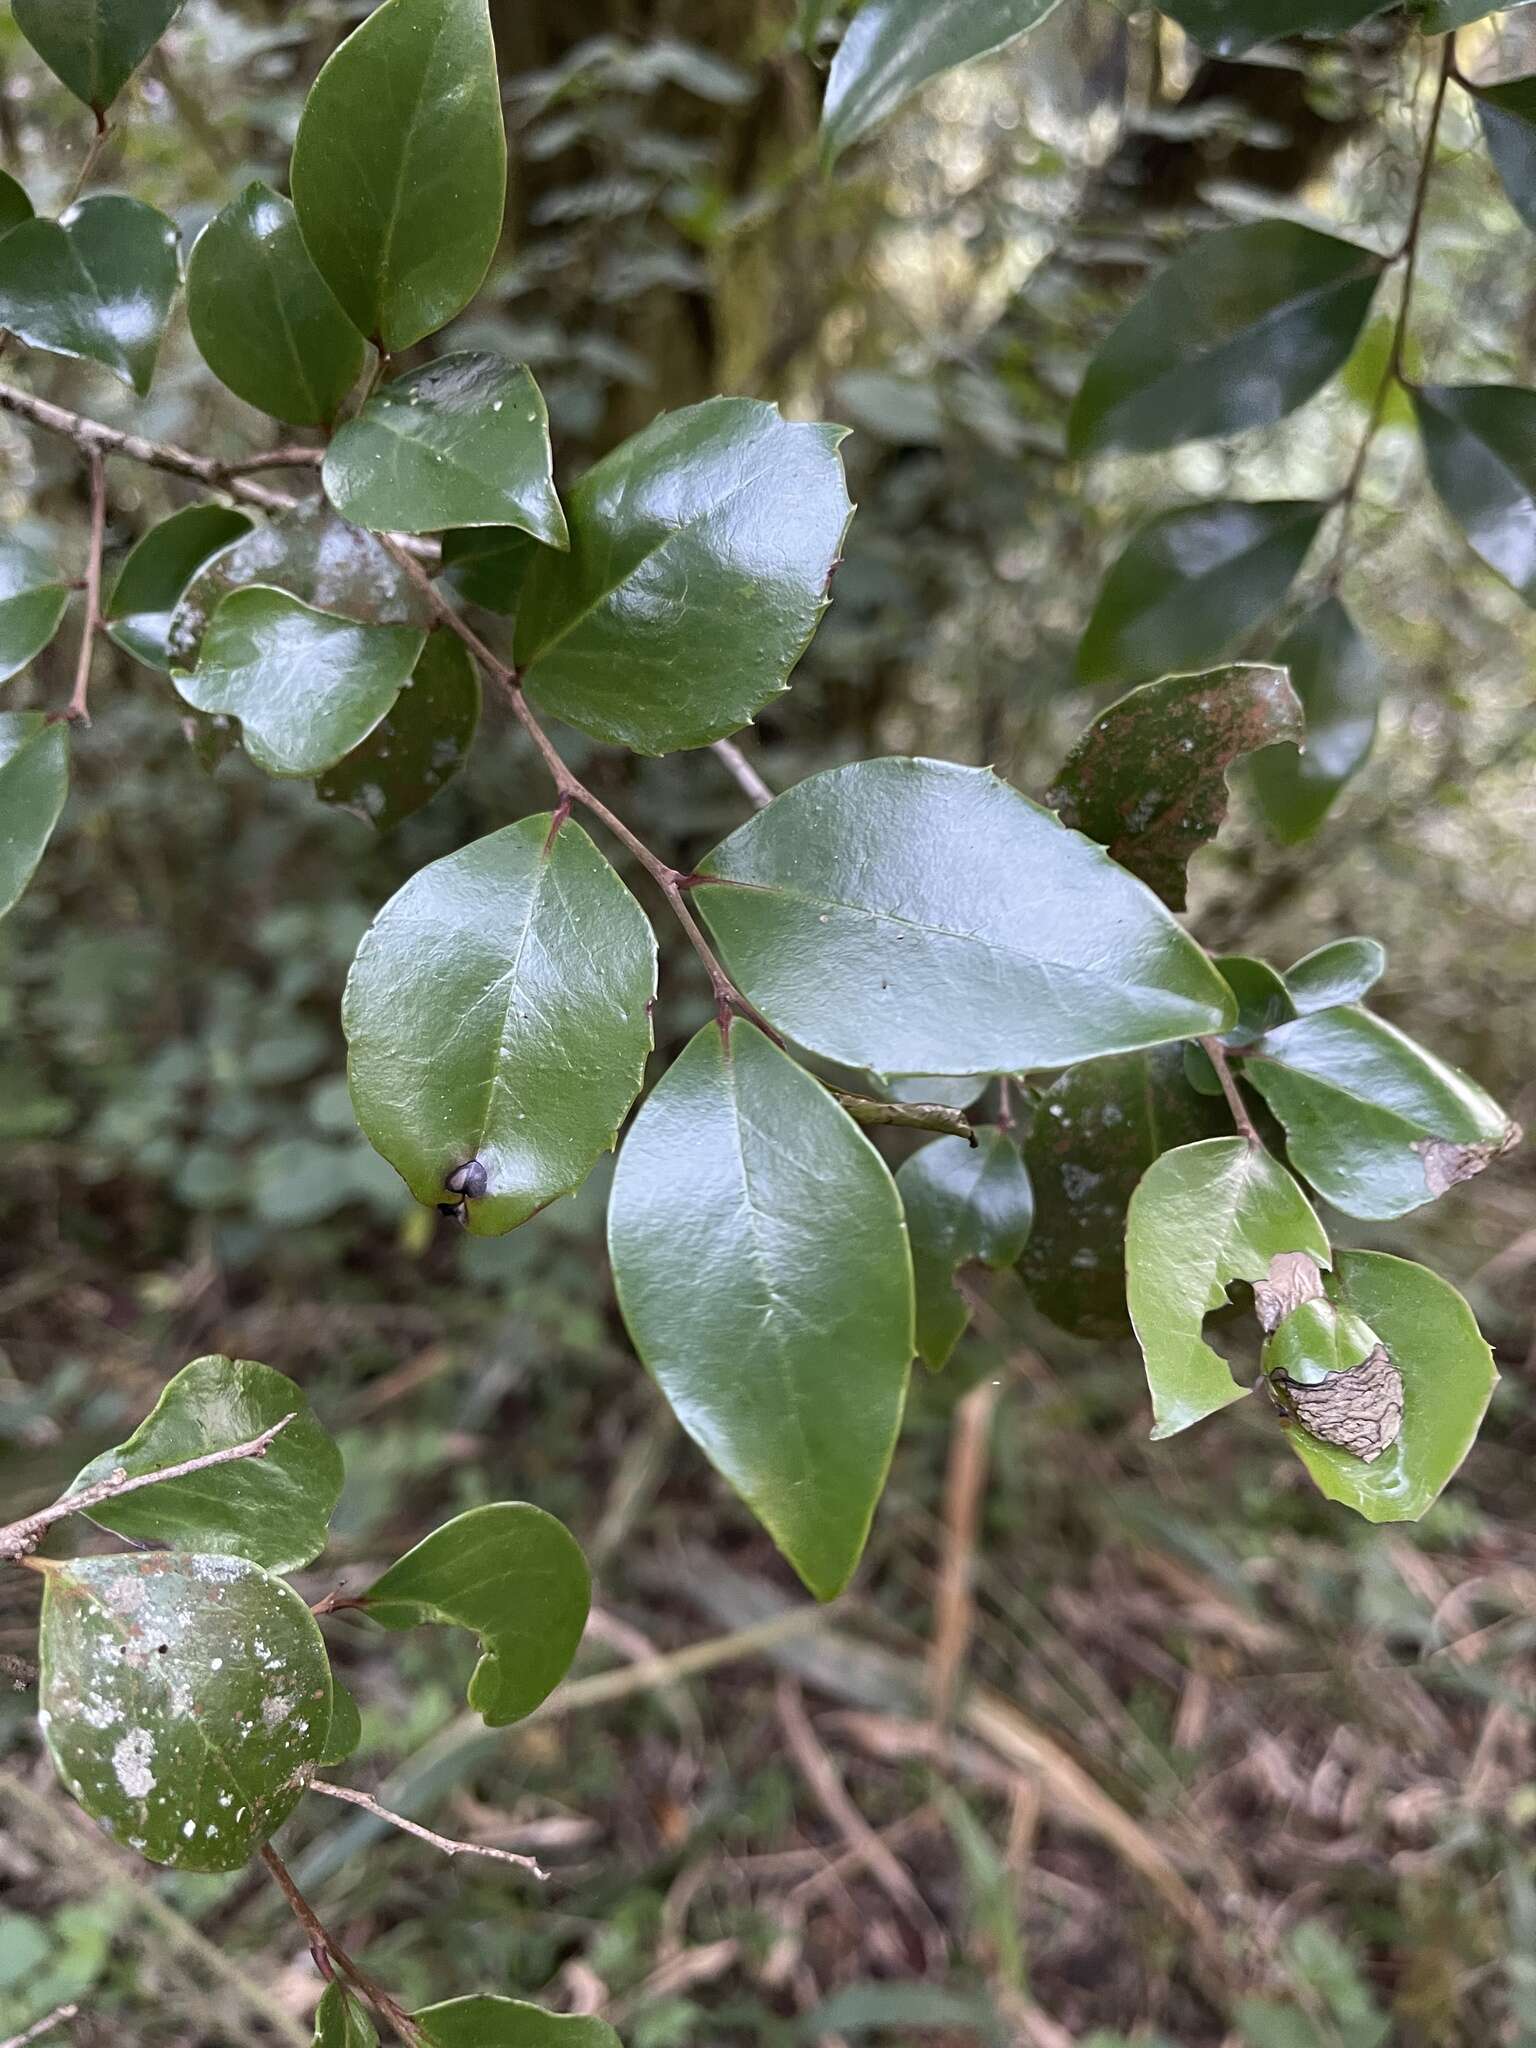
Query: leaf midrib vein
column 874, row 913
column 658, row 547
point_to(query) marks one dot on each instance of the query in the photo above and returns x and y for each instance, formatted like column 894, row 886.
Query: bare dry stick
column 19, row 1539
column 78, row 708
column 98, row 436
column 743, row 774
column 446, row 1843
column 45, row 2025
column 294, row 457
column 965, row 1484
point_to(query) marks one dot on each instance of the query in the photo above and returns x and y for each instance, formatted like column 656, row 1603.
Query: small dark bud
column 470, row 1180
column 449, row 1208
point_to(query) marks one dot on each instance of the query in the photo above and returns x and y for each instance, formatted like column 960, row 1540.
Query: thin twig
column 1410, row 247
column 965, row 1485
column 1005, row 1116
column 729, row 1000
column 338, row 1602
column 743, row 774
column 88, row 164
column 295, row 457
column 908, row 1116
column 45, row 2025
column 19, row 1539
column 78, row 708
column 1392, row 372
column 325, row 1943
column 446, row 1843
column 571, row 789
column 214, row 473
column 88, row 433
column 1216, row 1053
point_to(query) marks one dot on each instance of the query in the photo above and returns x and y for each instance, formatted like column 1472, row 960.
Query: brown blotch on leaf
column 1360, row 1411
column 1147, row 779
column 1294, row 1277
column 1445, row 1164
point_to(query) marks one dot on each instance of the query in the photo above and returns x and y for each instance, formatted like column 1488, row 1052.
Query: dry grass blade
column 864, row 1675
column 965, row 1485
column 830, row 1793
column 1068, row 1787
column 59, row 2017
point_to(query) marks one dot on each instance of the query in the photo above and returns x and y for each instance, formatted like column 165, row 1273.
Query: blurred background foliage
column 1307, row 1743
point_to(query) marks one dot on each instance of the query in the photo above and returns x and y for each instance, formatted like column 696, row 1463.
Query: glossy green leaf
column 1199, row 1072
column 486, row 565
column 487, row 2022
column 1229, row 27
column 513, row 1575
column 1338, row 679
column 1448, row 1377
column 34, row 781
column 1338, row 973
column 1240, row 330
column 264, row 318
column 305, row 685
column 1148, row 778
column 954, row 1091
column 1440, row 17
column 1317, row 1339
column 400, row 167
column 341, row 2022
column 963, row 1202
column 274, row 1510
column 346, row 1729
column 313, row 555
column 158, row 568
column 420, row 745
column 33, row 599
column 1202, row 1217
column 761, row 1264
column 185, row 1699
column 1192, row 582
column 814, row 22
column 893, row 47
column 95, row 284
column 1263, row 1000
column 1507, row 111
column 1094, row 1133
column 1375, row 1122
column 916, row 917
column 94, row 46
column 498, row 1012
column 1480, row 448
column 701, row 551
column 461, row 442
column 15, row 206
